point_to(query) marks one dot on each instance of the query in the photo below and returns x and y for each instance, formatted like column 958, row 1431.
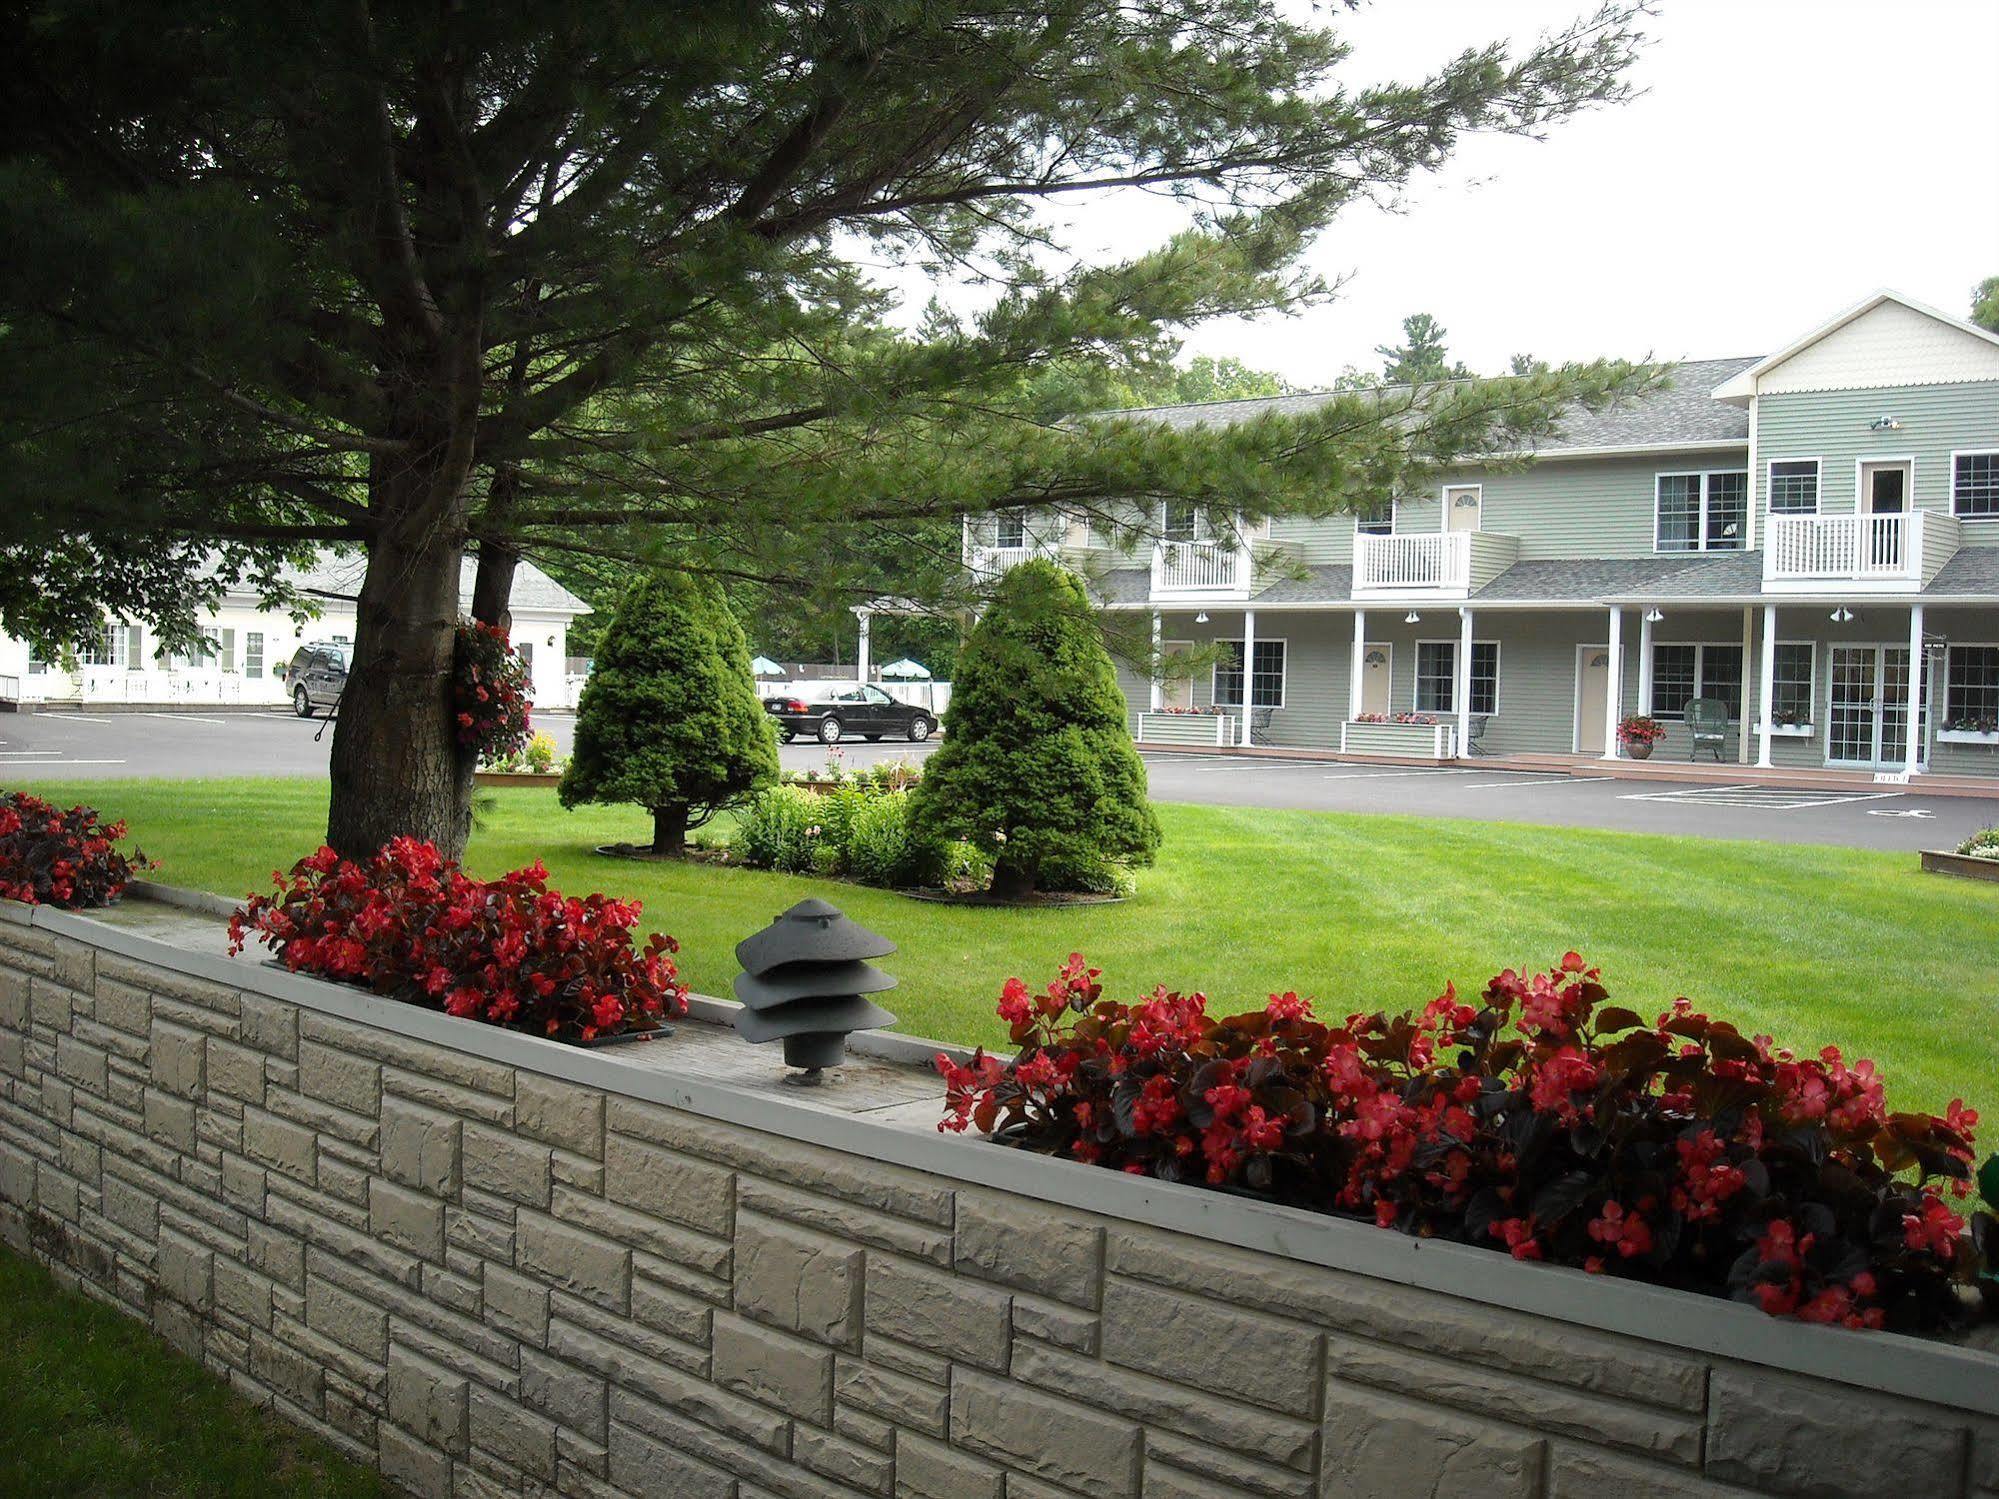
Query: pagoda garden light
column 803, row 983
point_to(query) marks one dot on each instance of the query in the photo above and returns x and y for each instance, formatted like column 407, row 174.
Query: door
column 1176, row 686
column 880, row 710
column 1377, row 670
column 1884, row 492
column 1592, row 689
column 1462, row 505
column 1853, row 713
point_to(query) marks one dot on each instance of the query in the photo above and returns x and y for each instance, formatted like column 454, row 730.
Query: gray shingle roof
column 1579, row 578
column 1680, row 412
column 1973, row 571
column 338, row 575
column 1718, row 576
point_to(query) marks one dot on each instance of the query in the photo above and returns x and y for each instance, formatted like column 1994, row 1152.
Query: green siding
column 1833, row 427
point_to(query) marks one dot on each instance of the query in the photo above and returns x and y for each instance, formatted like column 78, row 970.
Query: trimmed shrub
column 410, row 924
column 1543, row 1120
column 670, row 719
column 1038, row 769
column 771, row 830
column 881, row 849
column 49, row 857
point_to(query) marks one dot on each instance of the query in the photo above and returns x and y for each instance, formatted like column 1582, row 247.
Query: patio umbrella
column 763, row 666
column 907, row 670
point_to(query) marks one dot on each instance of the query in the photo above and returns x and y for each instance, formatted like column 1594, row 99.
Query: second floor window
column 1681, row 673
column 1010, row 532
column 1180, row 520
column 1706, row 512
column 1376, row 518
column 1974, row 486
column 1794, row 487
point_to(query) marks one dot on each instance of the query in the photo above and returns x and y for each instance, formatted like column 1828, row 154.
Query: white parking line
column 1550, row 781
column 219, row 723
column 1389, row 775
column 1768, row 798
column 75, row 718
column 37, row 764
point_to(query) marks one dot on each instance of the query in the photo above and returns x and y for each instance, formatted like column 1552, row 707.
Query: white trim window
column 1794, row 486
column 1181, row 520
column 114, row 645
column 1375, row 518
column 1437, row 676
column 1793, row 684
column 1010, row 530
column 1971, row 688
column 1706, row 511
column 1266, row 679
column 1682, row 672
column 253, row 654
column 1974, row 486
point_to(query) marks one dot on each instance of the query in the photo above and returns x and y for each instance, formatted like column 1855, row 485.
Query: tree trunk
column 395, row 754
column 669, row 829
column 1013, row 879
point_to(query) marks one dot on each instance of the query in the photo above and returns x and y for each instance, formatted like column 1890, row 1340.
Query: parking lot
column 106, row 745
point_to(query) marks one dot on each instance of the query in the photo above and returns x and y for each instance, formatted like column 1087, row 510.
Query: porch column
column 1768, row 687
column 1912, row 762
column 1359, row 663
column 1158, row 665
column 1742, row 733
column 1613, row 689
column 867, row 621
column 1645, row 662
column 1248, row 657
column 1463, row 686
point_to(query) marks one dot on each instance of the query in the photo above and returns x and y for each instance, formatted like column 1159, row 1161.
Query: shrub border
column 1947, row 1374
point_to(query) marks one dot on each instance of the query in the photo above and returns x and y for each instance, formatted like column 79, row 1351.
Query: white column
column 1911, row 763
column 1613, row 688
column 866, row 622
column 1645, row 663
column 1463, row 687
column 1742, row 733
column 1768, row 687
column 1248, row 657
column 1158, row 665
column 1359, row 662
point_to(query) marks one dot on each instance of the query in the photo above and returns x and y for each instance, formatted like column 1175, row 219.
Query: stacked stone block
column 488, row 1281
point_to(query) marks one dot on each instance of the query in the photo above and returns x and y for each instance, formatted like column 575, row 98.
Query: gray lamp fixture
column 1885, row 424
column 1412, row 618
column 802, row 983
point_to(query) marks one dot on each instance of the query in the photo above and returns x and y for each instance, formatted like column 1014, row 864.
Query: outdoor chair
column 1259, row 725
column 1475, row 731
column 1707, row 726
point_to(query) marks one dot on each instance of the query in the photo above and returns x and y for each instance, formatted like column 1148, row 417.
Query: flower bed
column 1406, row 736
column 1543, row 1120
column 410, row 924
column 53, row 857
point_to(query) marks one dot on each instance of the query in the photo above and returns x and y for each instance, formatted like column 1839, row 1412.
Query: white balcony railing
column 1431, row 560
column 1200, row 569
column 1857, row 548
column 988, row 562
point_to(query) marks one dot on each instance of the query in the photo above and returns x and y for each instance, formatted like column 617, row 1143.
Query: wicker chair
column 1707, row 726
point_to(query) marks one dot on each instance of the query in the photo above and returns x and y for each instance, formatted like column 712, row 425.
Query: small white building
column 250, row 645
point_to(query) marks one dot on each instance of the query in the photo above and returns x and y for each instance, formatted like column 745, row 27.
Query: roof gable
column 1887, row 340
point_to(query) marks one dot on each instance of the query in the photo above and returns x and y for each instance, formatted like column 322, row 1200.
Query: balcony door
column 1463, row 504
column 1884, row 500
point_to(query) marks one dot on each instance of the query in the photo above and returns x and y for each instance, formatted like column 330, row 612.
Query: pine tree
column 670, row 718
column 1421, row 356
column 1037, row 766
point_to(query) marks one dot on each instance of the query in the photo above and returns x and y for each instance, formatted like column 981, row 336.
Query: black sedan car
column 832, row 711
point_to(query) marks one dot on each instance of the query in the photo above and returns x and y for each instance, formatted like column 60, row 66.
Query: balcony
column 1877, row 553
column 987, row 563
column 1201, row 569
column 1430, row 563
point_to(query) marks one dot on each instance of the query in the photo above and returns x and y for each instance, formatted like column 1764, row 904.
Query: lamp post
column 803, row 981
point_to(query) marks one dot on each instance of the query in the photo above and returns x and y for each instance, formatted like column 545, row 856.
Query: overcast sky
column 1787, row 158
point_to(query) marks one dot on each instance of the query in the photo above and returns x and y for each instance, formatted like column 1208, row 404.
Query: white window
column 228, row 650
column 1793, row 686
column 115, row 645
column 1702, row 512
column 1010, row 531
column 1437, row 676
column 1181, row 520
column 1681, row 673
column 1794, row 486
column 37, row 665
column 1971, row 688
column 1266, row 679
column 1375, row 518
column 253, row 653
column 1974, row 486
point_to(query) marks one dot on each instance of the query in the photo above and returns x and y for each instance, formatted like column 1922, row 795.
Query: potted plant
column 1638, row 732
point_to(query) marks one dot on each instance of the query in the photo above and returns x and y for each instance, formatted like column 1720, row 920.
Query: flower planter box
column 1399, row 741
column 1220, row 730
column 516, row 777
column 1791, row 731
column 1966, row 736
column 1964, row 866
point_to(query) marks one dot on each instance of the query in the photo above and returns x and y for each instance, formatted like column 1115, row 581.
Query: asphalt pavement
column 62, row 745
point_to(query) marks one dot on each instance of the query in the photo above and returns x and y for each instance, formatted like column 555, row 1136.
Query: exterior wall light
column 802, row 983
column 1885, row 424
column 1842, row 615
column 1653, row 616
column 1412, row 618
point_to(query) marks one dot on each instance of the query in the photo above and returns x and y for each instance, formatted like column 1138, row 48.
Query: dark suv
column 832, row 711
column 316, row 676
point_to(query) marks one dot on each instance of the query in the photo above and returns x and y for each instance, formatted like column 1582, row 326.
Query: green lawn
column 1813, row 945
column 96, row 1405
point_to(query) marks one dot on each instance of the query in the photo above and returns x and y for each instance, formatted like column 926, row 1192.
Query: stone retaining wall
column 495, row 1266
